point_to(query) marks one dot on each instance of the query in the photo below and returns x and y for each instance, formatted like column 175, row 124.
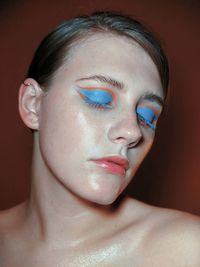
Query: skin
column 75, row 215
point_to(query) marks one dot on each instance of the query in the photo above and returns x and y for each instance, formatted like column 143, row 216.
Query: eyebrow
column 152, row 97
column 120, row 85
column 104, row 79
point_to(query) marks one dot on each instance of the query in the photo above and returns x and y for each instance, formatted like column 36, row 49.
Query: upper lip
column 119, row 160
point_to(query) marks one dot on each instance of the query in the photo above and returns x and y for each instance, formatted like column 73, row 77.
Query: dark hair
column 54, row 49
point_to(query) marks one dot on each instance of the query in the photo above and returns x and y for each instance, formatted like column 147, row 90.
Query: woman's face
column 97, row 121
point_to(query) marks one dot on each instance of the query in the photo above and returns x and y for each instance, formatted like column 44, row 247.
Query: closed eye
column 97, row 97
column 147, row 116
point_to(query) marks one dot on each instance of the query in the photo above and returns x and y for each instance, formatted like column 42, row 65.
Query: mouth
column 115, row 164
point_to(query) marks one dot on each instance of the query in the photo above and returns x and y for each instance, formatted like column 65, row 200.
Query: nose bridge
column 125, row 128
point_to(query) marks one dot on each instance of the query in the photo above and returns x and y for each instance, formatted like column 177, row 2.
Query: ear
column 30, row 95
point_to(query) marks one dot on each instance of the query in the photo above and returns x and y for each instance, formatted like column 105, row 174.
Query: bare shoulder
column 166, row 237
column 10, row 221
column 175, row 235
column 11, row 216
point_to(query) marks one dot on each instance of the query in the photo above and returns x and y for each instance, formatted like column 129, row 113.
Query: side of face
column 104, row 102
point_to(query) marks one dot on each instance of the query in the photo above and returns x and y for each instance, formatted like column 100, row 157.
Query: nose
column 125, row 131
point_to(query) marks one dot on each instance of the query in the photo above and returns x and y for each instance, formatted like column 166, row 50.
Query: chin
column 106, row 202
column 104, row 198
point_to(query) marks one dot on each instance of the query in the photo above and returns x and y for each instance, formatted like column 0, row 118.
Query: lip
column 114, row 164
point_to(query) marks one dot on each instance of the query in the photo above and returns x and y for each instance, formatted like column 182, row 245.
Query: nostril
column 132, row 142
column 119, row 139
column 136, row 142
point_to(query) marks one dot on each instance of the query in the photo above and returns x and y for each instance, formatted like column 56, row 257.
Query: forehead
column 112, row 55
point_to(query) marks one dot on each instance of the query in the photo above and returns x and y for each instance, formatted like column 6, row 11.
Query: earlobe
column 30, row 95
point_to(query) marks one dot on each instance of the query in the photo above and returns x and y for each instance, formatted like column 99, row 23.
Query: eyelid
column 148, row 115
column 99, row 89
column 152, row 105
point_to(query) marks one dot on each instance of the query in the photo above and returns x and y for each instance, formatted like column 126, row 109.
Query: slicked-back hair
column 54, row 49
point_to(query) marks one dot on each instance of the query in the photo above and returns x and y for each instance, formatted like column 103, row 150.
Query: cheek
column 87, row 128
column 67, row 130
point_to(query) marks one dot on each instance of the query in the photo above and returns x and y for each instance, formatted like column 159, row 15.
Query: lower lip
column 111, row 167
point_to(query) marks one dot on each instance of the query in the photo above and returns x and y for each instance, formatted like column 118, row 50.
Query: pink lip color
column 115, row 164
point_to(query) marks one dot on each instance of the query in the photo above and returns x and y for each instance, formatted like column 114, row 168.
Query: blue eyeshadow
column 147, row 114
column 97, row 96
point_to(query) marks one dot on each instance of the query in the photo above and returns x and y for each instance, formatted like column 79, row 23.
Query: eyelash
column 145, row 122
column 97, row 105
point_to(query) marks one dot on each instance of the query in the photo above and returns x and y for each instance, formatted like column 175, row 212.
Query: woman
column 92, row 97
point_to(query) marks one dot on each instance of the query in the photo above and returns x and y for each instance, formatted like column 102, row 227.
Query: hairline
column 85, row 34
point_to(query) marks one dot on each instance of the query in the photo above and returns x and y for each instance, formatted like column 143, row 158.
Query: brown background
column 170, row 176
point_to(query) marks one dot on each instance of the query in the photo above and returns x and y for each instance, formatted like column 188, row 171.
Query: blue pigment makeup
column 147, row 115
column 97, row 97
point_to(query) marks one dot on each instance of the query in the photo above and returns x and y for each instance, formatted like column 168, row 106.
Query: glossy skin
column 72, row 217
column 86, row 133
